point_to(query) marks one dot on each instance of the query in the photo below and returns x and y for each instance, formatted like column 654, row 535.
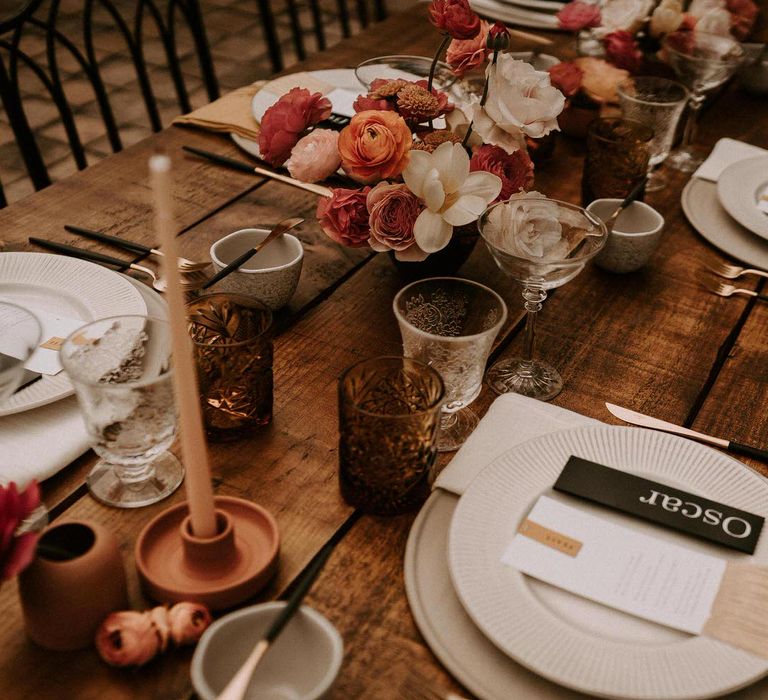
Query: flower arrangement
column 628, row 29
column 421, row 165
column 18, row 530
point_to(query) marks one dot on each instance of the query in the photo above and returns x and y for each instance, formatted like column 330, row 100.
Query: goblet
column 703, row 62
column 542, row 243
column 450, row 324
column 121, row 370
column 19, row 337
column 657, row 103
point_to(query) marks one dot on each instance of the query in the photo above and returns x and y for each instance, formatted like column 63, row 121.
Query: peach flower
column 187, row 622
column 465, row 54
column 375, row 146
column 600, row 78
column 315, row 157
column 393, row 210
column 128, row 638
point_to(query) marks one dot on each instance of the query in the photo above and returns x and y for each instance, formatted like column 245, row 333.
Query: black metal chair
column 41, row 20
column 321, row 15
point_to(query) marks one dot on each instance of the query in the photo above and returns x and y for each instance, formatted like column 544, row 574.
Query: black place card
column 662, row 504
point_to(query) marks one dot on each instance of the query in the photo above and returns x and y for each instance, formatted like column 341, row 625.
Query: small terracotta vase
column 75, row 581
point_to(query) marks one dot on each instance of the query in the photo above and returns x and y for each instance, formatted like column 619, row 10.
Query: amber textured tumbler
column 233, row 350
column 617, row 157
column 389, row 417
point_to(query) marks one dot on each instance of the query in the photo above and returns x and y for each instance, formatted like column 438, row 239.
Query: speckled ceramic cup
column 271, row 276
column 634, row 237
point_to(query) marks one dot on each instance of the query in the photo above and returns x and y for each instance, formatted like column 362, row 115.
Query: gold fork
column 727, row 290
column 731, row 272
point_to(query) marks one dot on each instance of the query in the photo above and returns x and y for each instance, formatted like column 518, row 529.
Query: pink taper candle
column 197, row 480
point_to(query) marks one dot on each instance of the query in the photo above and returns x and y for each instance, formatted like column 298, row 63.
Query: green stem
column 483, row 99
column 433, row 67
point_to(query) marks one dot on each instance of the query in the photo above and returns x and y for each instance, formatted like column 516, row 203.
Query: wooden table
column 652, row 340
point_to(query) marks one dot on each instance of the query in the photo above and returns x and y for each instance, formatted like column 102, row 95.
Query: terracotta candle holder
column 219, row 571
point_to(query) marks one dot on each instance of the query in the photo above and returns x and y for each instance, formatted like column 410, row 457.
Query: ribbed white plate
column 71, row 287
column 573, row 641
column 707, row 216
column 515, row 16
column 739, row 188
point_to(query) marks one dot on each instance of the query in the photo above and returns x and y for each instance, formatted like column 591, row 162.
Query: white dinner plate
column 516, row 16
column 739, row 188
column 573, row 641
column 707, row 216
column 67, row 286
column 548, row 6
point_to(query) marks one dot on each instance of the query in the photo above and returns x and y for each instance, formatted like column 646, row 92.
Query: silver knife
column 636, row 418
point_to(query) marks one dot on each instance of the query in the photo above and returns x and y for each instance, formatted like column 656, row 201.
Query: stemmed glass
column 703, row 62
column 19, row 337
column 657, row 103
column 450, row 324
column 542, row 243
column 121, row 370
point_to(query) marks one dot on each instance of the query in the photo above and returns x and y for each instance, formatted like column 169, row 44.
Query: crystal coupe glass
column 703, row 62
column 450, row 324
column 542, row 243
column 121, row 370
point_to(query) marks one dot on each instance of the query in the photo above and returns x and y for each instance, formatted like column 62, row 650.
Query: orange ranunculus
column 375, row 146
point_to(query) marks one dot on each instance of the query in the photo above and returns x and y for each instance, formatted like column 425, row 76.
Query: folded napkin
column 511, row 420
column 726, row 152
column 230, row 114
column 36, row 444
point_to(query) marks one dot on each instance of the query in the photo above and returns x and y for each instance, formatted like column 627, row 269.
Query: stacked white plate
column 727, row 213
column 506, row 635
column 536, row 14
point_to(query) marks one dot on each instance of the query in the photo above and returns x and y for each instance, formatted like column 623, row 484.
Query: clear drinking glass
column 20, row 335
column 450, row 324
column 703, row 62
column 657, row 103
column 121, row 370
column 542, row 243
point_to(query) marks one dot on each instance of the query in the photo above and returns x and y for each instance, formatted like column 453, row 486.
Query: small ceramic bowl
column 634, row 237
column 302, row 664
column 271, row 276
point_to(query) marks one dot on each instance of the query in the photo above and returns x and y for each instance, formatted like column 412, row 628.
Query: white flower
column 666, row 18
column 529, row 226
column 624, row 14
column 458, row 122
column 521, row 102
column 453, row 196
column 699, row 8
column 717, row 21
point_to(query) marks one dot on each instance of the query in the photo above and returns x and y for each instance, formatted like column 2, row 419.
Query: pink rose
column 284, row 122
column 128, row 638
column 315, row 157
column 566, row 77
column 393, row 210
column 187, row 622
column 622, row 50
column 578, row 15
column 344, row 216
column 465, row 54
column 514, row 169
column 17, row 551
column 743, row 16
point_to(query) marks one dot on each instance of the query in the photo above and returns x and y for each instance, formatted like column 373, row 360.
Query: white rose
column 624, row 14
column 717, row 21
column 699, row 8
column 527, row 226
column 521, row 102
column 666, row 18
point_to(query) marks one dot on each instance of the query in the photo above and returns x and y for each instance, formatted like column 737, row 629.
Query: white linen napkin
column 726, row 152
column 511, row 420
column 36, row 444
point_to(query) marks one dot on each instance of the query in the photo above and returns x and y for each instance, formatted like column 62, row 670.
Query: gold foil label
column 53, row 343
column 550, row 538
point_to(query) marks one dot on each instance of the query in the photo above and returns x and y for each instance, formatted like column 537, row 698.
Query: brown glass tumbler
column 233, row 350
column 617, row 158
column 389, row 417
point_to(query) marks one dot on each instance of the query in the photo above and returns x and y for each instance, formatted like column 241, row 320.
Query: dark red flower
column 566, row 77
column 16, row 551
column 455, row 17
column 285, row 121
column 578, row 15
column 514, row 169
column 344, row 216
column 743, row 16
column 622, row 50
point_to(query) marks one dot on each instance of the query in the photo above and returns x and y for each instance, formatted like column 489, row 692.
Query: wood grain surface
column 654, row 341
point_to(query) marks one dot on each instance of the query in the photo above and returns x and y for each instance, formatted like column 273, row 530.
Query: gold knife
column 636, row 418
